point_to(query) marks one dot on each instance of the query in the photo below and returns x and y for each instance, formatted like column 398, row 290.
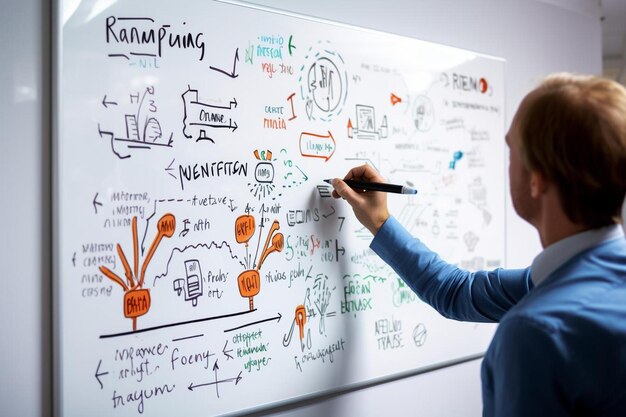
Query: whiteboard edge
column 347, row 26
column 293, row 402
column 55, row 66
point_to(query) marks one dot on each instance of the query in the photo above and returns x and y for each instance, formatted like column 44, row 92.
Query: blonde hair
column 573, row 131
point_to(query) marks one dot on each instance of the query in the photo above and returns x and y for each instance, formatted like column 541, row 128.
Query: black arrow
column 277, row 318
column 226, row 352
column 235, row 380
column 181, row 323
column 99, row 374
column 231, row 105
column 231, row 125
column 215, row 368
column 96, row 203
column 230, row 74
column 105, row 102
column 169, row 168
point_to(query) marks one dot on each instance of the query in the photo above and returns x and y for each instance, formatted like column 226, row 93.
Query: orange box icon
column 136, row 303
column 244, row 228
column 249, row 283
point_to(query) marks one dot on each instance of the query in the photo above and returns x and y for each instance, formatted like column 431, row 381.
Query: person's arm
column 455, row 293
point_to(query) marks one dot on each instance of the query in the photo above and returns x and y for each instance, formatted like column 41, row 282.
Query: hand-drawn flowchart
column 202, row 261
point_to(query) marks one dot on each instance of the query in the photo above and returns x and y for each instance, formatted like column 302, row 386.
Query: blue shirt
column 560, row 348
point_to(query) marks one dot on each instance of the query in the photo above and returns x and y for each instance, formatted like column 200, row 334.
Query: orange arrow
column 395, row 99
column 313, row 145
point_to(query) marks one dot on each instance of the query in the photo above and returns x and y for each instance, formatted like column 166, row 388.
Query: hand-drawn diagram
column 191, row 285
column 365, row 127
column 423, row 113
column 314, row 308
column 323, row 83
column 146, row 136
column 263, row 175
column 231, row 117
column 199, row 117
column 137, row 298
column 250, row 280
column 313, row 145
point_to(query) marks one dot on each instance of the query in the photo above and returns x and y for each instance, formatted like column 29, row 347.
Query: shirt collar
column 555, row 255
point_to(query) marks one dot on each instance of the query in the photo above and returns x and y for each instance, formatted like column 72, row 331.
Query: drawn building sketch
column 365, row 126
column 139, row 135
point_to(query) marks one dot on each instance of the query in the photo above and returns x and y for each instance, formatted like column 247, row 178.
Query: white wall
column 535, row 37
column 25, row 297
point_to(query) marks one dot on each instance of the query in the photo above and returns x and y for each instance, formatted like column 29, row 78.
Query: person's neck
column 555, row 225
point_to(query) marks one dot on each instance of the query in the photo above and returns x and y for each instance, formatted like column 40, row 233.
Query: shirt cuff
column 390, row 239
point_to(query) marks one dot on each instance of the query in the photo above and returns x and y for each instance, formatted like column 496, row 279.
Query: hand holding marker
column 377, row 186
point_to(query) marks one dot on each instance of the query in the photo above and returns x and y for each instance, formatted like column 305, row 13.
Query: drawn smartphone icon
column 194, row 281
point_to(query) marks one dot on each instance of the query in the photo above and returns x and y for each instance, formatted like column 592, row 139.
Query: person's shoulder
column 575, row 319
column 525, row 339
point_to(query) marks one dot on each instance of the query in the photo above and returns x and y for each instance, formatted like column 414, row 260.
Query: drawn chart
column 202, row 261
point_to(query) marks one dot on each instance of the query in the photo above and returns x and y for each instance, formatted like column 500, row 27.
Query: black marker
column 377, row 186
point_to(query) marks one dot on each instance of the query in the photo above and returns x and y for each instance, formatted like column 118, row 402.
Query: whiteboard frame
column 56, row 103
column 56, row 53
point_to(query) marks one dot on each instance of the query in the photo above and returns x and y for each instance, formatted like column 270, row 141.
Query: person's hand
column 370, row 207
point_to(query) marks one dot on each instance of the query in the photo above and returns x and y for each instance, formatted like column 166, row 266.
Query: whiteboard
column 202, row 267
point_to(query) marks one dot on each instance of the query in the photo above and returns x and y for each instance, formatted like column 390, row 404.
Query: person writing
column 560, row 347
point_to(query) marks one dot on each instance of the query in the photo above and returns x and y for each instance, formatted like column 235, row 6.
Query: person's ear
column 538, row 184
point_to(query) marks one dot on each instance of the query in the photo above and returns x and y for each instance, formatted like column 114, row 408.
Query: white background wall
column 535, row 37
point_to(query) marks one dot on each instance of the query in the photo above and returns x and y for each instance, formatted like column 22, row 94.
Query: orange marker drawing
column 301, row 319
column 244, row 228
column 249, row 281
column 277, row 243
column 290, row 99
column 249, row 285
column 137, row 299
column 165, row 227
column 313, row 145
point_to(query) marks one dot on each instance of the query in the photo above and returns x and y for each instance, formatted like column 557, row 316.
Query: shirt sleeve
column 482, row 296
column 524, row 370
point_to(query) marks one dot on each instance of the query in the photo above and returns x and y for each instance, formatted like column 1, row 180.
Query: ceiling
column 614, row 39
